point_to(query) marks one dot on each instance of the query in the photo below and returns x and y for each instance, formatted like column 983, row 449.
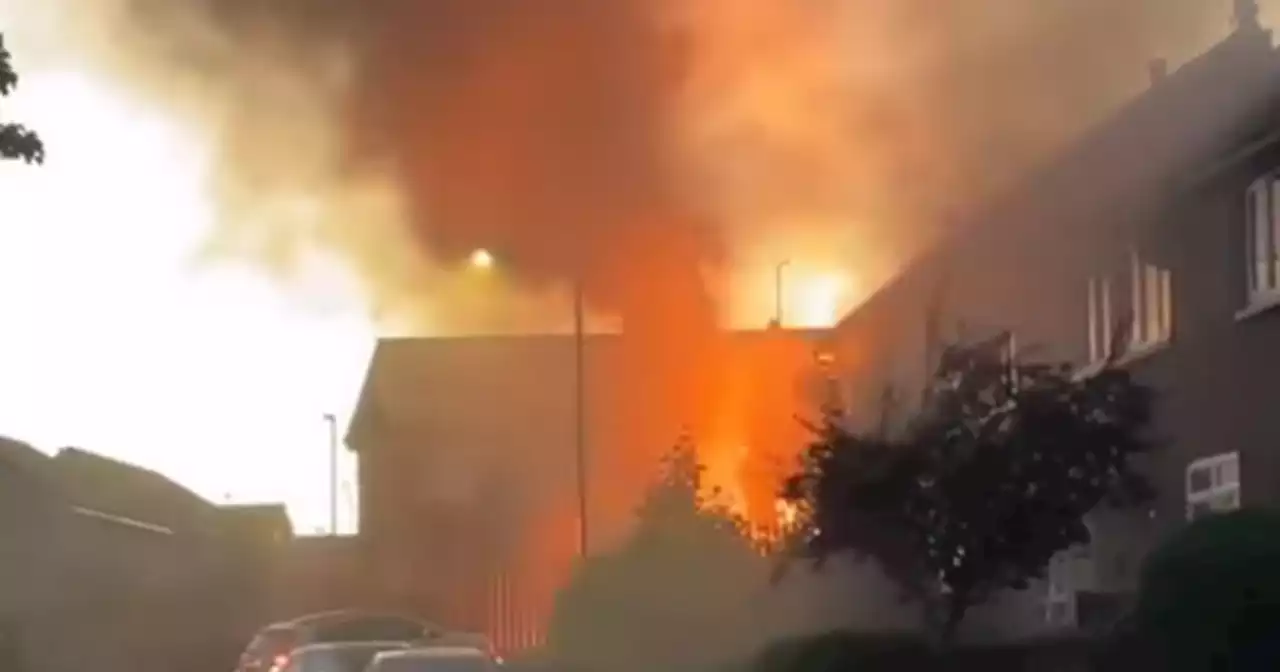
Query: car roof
column 434, row 652
column 330, row 646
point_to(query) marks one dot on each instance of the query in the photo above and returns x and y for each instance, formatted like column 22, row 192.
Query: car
column 278, row 639
column 434, row 659
column 334, row 656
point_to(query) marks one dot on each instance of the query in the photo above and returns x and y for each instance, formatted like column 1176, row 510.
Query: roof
column 1118, row 172
column 494, row 371
column 117, row 488
column 260, row 521
column 23, row 458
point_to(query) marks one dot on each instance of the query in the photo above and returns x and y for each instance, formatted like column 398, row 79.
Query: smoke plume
column 631, row 143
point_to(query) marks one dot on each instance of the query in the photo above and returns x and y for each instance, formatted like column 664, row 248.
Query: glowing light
column 788, row 513
column 482, row 259
column 817, row 299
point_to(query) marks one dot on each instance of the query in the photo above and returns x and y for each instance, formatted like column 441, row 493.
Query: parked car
column 335, row 656
column 275, row 641
column 434, row 659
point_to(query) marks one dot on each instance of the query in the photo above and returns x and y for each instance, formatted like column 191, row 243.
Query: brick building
column 1164, row 218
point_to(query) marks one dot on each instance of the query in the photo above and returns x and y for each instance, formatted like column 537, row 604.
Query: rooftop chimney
column 1158, row 69
column 1246, row 15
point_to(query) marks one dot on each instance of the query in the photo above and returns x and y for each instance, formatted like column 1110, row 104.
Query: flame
column 819, row 299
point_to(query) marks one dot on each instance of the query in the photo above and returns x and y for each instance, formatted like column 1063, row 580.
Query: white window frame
column 1223, row 493
column 1151, row 302
column 1068, row 573
column 1101, row 323
column 1262, row 241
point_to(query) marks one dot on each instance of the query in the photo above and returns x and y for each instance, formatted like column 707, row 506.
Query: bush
column 840, row 651
column 1210, row 596
column 871, row 652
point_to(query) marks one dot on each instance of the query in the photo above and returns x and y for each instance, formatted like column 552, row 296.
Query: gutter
column 121, row 520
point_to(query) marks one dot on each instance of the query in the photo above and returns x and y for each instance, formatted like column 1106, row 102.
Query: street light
column 777, row 292
column 482, row 259
column 332, row 420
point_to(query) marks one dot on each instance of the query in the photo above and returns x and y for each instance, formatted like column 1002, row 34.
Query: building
column 120, row 560
column 467, row 463
column 1164, row 220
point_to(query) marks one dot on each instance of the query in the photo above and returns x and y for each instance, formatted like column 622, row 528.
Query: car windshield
column 347, row 658
column 442, row 663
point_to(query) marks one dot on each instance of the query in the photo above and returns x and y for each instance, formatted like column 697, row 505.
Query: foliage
column 16, row 140
column 1210, row 595
column 874, row 652
column 676, row 595
column 990, row 479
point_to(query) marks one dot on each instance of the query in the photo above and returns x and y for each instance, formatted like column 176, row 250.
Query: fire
column 819, row 299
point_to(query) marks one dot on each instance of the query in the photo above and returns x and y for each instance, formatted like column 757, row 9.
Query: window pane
column 1272, row 225
column 1198, row 510
column 1095, row 341
column 1151, row 301
column 1229, row 472
column 1228, row 500
column 1166, row 303
column 1199, row 480
column 1262, row 241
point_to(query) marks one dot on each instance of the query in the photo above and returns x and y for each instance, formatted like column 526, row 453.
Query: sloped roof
column 23, row 457
column 410, row 377
column 118, row 488
column 1121, row 167
column 258, row 521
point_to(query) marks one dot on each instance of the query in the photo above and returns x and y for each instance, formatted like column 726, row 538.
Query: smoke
column 630, row 143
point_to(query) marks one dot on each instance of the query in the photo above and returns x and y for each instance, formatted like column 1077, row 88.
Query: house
column 1161, row 223
column 468, row 477
column 117, row 557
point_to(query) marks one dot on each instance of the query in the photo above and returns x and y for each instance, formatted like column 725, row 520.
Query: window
column 1262, row 240
column 1101, row 324
column 1059, row 603
column 1069, row 572
column 1151, row 301
column 1213, row 485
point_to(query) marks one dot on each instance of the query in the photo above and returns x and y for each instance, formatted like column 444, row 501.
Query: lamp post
column 777, row 292
column 482, row 259
column 579, row 408
column 332, row 420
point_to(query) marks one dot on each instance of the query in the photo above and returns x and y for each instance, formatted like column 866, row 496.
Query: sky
column 118, row 340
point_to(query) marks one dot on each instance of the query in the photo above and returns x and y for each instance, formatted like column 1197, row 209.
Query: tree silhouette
column 16, row 141
column 990, row 479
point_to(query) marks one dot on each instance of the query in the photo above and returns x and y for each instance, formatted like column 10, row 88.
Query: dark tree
column 16, row 141
column 990, row 479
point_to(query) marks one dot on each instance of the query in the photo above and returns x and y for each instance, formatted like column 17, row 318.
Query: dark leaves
column 16, row 140
column 991, row 479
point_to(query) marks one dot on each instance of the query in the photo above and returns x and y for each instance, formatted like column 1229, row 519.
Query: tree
column 990, row 479
column 1209, row 597
column 676, row 595
column 16, row 141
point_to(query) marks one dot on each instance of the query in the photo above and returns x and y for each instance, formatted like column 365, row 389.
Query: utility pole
column 580, row 402
column 332, row 421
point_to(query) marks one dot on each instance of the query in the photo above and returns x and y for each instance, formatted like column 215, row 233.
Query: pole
column 332, row 421
column 777, row 293
column 580, row 420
